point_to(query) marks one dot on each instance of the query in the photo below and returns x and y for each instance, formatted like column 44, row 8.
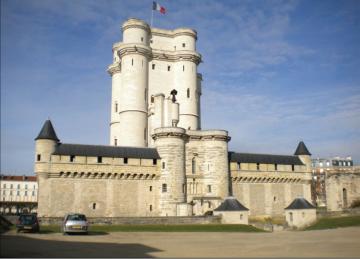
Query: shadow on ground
column 21, row 246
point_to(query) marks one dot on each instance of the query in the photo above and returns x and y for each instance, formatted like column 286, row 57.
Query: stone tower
column 45, row 144
column 150, row 62
column 130, row 77
column 170, row 143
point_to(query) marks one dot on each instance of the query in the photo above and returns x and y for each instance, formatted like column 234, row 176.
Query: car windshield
column 76, row 217
column 27, row 219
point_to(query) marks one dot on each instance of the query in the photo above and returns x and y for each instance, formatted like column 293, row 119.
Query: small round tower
column 170, row 143
column 305, row 156
column 129, row 73
column 45, row 144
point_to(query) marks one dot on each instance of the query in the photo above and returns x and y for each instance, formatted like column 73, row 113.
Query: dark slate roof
column 264, row 159
column 300, row 204
column 302, row 149
column 231, row 204
column 106, row 151
column 47, row 132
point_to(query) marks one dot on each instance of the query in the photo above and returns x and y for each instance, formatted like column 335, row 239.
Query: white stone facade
column 192, row 173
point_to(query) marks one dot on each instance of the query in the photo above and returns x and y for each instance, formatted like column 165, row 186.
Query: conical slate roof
column 300, row 204
column 302, row 149
column 47, row 132
column 231, row 204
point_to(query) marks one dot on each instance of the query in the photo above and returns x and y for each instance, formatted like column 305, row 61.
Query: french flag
column 159, row 8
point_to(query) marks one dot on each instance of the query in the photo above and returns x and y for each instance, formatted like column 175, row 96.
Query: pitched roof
column 106, row 151
column 231, row 204
column 264, row 159
column 300, row 204
column 18, row 178
column 47, row 132
column 302, row 149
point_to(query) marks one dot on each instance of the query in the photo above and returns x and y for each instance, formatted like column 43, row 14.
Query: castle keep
column 159, row 161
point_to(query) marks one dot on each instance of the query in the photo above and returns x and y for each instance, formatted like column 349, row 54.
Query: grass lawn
column 338, row 222
column 159, row 228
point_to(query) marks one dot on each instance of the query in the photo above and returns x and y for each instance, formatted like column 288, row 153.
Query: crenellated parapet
column 206, row 135
column 174, row 33
column 135, row 23
column 114, row 68
column 169, row 132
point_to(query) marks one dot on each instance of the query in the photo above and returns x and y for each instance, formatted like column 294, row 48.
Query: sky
column 274, row 72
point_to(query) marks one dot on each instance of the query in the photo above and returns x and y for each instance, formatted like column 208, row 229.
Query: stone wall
column 98, row 197
column 139, row 220
column 341, row 190
column 269, row 198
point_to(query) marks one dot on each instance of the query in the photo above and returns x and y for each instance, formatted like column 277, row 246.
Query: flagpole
column 152, row 17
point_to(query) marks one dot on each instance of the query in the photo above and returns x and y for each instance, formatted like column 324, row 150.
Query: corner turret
column 45, row 144
column 305, row 156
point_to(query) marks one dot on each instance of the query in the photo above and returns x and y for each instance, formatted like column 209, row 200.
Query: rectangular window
column 150, row 207
column 292, row 167
column 132, row 61
column 72, row 158
column 18, row 186
column 276, row 167
column 142, row 39
column 188, row 93
column 33, row 193
column 26, row 186
column 154, row 161
column 183, row 67
column 150, row 188
column 4, row 185
column 153, row 66
column 257, row 166
column 125, row 160
column 163, row 165
column 11, row 186
column 25, row 193
column 183, row 45
column 115, row 142
column 164, row 187
column 4, row 192
column 209, row 188
column 238, row 165
column 18, row 193
column 10, row 193
column 99, row 159
column 169, row 68
column 38, row 157
column 116, row 107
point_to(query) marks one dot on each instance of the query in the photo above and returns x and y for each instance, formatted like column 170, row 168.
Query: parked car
column 75, row 223
column 28, row 222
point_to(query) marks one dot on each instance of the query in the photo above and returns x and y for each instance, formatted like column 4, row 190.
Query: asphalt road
column 344, row 242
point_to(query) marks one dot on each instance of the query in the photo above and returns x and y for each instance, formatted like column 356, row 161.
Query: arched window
column 344, row 198
column 193, row 165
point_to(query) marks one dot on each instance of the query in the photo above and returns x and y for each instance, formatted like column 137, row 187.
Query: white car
column 75, row 223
